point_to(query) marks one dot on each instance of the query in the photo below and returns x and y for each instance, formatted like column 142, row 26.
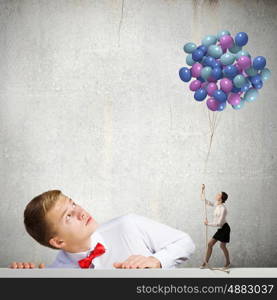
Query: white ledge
column 150, row 273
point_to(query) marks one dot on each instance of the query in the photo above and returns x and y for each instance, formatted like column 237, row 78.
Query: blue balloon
column 209, row 61
column 200, row 79
column 235, row 89
column 258, row 85
column 203, row 48
column 185, row 74
column 259, row 62
column 241, row 39
column 221, row 106
column 220, row 96
column 246, row 86
column 230, row 71
column 217, row 64
column 200, row 94
column 256, row 79
column 216, row 73
column 197, row 55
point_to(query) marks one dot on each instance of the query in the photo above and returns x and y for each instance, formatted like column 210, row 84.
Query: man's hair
column 35, row 217
column 224, row 197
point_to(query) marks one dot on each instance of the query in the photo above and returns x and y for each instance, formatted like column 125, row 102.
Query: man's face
column 72, row 224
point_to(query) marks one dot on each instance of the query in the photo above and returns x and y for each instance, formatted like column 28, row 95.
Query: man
column 131, row 241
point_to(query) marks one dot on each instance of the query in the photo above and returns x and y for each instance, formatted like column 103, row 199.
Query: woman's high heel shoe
column 227, row 266
column 204, row 266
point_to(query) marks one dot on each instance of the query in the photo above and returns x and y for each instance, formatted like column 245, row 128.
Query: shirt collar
column 96, row 237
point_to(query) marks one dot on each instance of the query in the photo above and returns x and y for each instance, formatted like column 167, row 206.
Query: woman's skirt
column 223, row 233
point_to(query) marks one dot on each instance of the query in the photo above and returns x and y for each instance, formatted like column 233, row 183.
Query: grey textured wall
column 92, row 104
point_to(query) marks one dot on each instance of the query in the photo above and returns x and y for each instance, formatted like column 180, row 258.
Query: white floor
column 156, row 273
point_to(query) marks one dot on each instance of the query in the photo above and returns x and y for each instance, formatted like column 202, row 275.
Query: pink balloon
column 244, row 62
column 195, row 85
column 226, row 41
column 212, row 104
column 234, row 99
column 196, row 69
column 211, row 87
column 226, row 85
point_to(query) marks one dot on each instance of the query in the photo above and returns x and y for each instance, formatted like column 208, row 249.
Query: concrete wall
column 91, row 103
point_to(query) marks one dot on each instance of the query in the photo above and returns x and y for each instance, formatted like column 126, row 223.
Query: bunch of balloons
column 223, row 72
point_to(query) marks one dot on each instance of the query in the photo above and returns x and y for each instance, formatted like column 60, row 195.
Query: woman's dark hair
column 224, row 197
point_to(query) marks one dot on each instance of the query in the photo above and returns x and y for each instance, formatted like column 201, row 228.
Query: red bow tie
column 97, row 251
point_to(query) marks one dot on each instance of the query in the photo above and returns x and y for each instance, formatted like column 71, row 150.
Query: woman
column 223, row 233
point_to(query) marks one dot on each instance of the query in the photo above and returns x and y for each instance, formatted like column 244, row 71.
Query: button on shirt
column 132, row 235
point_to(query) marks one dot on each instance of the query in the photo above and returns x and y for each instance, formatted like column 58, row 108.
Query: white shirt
column 132, row 235
column 220, row 214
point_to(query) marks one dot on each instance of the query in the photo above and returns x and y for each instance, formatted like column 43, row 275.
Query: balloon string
column 213, row 124
column 209, row 120
column 217, row 121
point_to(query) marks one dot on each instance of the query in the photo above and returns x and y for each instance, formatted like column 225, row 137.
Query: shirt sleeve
column 221, row 218
column 170, row 246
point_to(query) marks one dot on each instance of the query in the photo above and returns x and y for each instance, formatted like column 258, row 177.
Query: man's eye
column 74, row 204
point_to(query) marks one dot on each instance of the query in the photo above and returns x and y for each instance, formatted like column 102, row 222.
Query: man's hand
column 25, row 265
column 138, row 262
column 206, row 222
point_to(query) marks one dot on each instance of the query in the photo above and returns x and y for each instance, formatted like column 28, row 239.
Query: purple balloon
column 226, row 41
column 226, row 85
column 211, row 87
column 212, row 104
column 196, row 70
column 244, row 62
column 234, row 99
column 195, row 85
